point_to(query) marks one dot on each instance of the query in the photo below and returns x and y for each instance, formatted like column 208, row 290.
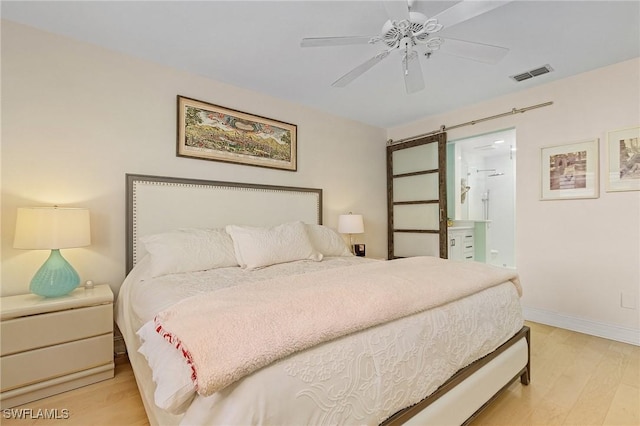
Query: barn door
column 417, row 197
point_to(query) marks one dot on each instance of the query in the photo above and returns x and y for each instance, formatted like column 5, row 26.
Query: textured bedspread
column 234, row 331
column 362, row 378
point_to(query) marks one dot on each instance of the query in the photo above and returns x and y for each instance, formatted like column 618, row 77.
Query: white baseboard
column 581, row 325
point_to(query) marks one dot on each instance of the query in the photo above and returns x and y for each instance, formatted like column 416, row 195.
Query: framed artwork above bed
column 212, row 132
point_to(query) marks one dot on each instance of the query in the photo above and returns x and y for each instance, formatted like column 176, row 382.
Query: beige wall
column 576, row 257
column 76, row 118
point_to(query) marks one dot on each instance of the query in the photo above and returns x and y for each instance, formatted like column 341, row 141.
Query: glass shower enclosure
column 481, row 191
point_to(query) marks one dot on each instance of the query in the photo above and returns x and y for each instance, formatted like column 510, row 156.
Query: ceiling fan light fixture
column 412, row 32
column 417, row 26
column 434, row 43
column 429, row 27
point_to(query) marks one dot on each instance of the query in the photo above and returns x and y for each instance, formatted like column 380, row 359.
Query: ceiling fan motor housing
column 394, row 31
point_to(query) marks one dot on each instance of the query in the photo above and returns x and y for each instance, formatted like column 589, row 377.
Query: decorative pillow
column 327, row 241
column 171, row 374
column 259, row 247
column 187, row 250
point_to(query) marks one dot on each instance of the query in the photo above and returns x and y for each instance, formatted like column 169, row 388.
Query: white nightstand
column 53, row 345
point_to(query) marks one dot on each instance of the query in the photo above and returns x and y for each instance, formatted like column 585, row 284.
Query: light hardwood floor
column 576, row 380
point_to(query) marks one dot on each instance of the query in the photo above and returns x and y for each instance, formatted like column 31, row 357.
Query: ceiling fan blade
column 336, row 41
column 413, row 79
column 360, row 69
column 465, row 10
column 397, row 10
column 471, row 50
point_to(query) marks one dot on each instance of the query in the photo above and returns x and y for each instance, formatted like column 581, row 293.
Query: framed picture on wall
column 623, row 160
column 212, row 132
column 570, row 171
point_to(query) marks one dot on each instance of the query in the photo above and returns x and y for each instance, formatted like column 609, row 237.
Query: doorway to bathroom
column 481, row 193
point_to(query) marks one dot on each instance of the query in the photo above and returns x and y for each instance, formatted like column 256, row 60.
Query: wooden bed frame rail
column 525, row 376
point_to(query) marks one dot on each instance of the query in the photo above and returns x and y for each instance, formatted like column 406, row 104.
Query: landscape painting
column 212, row 132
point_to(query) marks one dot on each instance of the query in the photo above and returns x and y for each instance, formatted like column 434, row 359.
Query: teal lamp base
column 56, row 277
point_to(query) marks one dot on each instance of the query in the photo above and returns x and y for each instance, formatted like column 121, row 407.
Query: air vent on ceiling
column 533, row 73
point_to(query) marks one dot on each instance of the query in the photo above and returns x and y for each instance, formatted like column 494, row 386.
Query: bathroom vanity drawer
column 461, row 244
column 468, row 247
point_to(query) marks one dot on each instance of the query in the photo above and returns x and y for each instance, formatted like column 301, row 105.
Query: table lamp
column 52, row 228
column 350, row 224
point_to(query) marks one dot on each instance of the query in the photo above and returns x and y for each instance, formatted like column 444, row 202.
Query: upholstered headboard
column 157, row 204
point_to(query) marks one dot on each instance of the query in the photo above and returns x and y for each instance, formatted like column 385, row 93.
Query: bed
column 436, row 362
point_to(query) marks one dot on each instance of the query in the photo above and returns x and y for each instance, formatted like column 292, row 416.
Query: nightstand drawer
column 38, row 331
column 42, row 364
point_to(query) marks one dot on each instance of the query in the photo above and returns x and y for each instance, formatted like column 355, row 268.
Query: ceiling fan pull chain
column 405, row 60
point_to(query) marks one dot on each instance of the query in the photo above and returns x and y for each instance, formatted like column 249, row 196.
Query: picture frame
column 212, row 132
column 623, row 160
column 570, row 171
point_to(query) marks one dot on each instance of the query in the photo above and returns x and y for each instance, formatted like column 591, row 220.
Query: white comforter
column 362, row 378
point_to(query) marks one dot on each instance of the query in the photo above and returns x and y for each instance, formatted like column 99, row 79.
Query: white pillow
column 174, row 388
column 187, row 250
column 327, row 241
column 259, row 247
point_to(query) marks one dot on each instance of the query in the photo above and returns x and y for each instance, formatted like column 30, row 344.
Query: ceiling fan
column 410, row 33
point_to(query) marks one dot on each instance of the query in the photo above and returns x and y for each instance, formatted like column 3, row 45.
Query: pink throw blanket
column 227, row 334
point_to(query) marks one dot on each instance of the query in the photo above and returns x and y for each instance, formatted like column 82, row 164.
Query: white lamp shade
column 52, row 228
column 350, row 224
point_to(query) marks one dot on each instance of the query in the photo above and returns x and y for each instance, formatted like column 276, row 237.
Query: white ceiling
column 256, row 45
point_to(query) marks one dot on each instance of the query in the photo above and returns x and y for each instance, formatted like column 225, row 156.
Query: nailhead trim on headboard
column 136, row 182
